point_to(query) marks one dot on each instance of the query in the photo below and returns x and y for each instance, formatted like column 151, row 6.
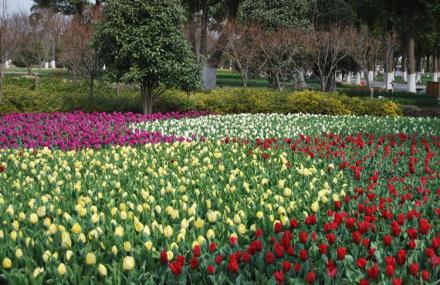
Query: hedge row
column 58, row 95
column 226, row 101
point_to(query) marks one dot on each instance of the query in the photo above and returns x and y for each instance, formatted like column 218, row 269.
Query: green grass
column 425, row 79
column 58, row 73
column 226, row 78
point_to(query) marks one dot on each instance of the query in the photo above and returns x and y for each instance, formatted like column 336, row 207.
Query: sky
column 19, row 5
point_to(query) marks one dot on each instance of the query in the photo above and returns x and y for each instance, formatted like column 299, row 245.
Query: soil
column 414, row 111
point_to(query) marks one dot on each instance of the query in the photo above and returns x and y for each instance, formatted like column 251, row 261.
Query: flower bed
column 293, row 209
column 262, row 126
column 68, row 131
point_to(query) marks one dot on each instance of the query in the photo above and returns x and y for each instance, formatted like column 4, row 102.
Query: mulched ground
column 414, row 111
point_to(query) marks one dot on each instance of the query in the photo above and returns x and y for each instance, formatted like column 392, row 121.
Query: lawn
column 188, row 198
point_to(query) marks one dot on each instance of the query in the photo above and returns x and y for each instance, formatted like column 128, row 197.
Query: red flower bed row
column 385, row 231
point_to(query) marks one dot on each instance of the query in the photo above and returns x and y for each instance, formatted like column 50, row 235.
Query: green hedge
column 225, row 101
column 61, row 95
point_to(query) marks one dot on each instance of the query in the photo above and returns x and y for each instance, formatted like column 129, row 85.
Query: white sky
column 18, row 5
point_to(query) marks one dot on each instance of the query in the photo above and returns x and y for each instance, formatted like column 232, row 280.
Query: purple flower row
column 67, row 131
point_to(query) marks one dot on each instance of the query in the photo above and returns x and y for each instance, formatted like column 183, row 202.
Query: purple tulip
column 77, row 130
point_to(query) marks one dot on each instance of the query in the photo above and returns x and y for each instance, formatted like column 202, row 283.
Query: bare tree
column 280, row 54
column 77, row 51
column 328, row 48
column 390, row 43
column 243, row 50
column 368, row 52
column 11, row 32
column 44, row 29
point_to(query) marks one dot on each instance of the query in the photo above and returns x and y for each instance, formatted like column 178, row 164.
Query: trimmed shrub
column 63, row 95
column 266, row 101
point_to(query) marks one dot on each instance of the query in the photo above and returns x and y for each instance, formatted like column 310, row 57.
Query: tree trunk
column 1, row 82
column 204, row 30
column 411, row 58
column 222, row 42
column 330, row 83
column 37, row 83
column 427, row 63
column 91, row 84
column 147, row 98
column 435, row 67
column 348, row 78
column 370, row 81
column 278, row 81
column 404, row 72
column 418, row 69
column 371, row 77
column 301, row 78
column 339, row 77
column 389, row 73
column 358, row 78
column 244, row 79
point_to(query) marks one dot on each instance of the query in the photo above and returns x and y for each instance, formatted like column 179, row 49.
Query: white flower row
column 253, row 126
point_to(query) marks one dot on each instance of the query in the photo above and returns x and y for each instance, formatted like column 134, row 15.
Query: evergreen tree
column 143, row 42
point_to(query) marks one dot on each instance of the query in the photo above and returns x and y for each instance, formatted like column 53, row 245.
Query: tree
column 324, row 13
column 328, row 48
column 276, row 14
column 277, row 18
column 368, row 52
column 143, row 42
column 280, row 54
column 243, row 50
column 68, row 7
column 43, row 30
column 11, row 33
column 408, row 19
column 77, row 51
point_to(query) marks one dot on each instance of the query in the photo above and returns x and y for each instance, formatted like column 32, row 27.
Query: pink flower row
column 67, row 131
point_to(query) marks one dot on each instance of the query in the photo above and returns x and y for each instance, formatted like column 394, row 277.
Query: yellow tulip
column 128, row 263
column 61, row 269
column 90, row 258
column 76, row 228
column 7, row 263
column 102, row 270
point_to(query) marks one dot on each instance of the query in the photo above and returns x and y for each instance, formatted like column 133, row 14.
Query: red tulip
column 194, row 262
column 303, row 255
column 164, row 257
column 175, row 267
column 269, row 257
column 279, row 277
column 197, row 251
column 323, row 248
column 341, row 252
column 425, row 275
column 286, row 266
column 310, row 277
column 413, row 269
column 210, row 269
column 361, row 262
column 387, row 240
column 212, row 247
column 389, row 270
